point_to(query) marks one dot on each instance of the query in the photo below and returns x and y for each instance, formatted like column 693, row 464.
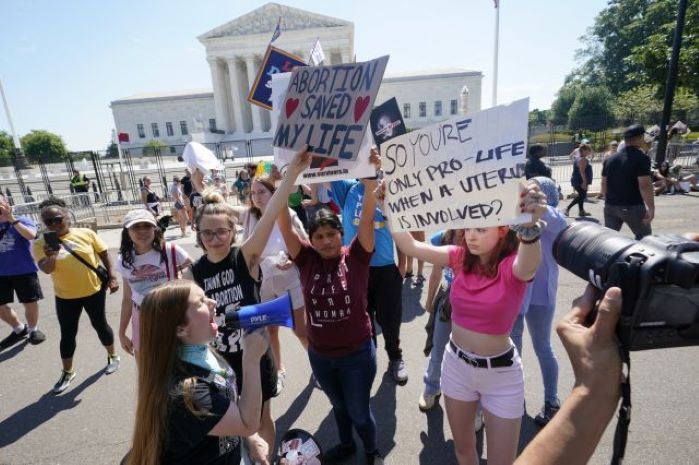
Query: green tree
column 112, row 150
column 629, row 45
column 6, row 148
column 644, row 105
column 151, row 146
column 592, row 109
column 538, row 117
column 40, row 144
column 564, row 101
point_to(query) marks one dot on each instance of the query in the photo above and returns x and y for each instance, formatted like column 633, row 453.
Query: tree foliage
column 564, row 101
column 630, row 43
column 642, row 105
column 43, row 145
column 152, row 146
column 592, row 109
column 6, row 147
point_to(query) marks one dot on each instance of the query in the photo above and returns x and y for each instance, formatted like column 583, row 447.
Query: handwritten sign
column 275, row 61
column 321, row 169
column 328, row 107
column 464, row 172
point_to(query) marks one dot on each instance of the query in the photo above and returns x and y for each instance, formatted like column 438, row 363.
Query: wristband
column 14, row 222
column 529, row 234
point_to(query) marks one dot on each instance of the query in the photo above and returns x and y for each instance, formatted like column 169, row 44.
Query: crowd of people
column 206, row 396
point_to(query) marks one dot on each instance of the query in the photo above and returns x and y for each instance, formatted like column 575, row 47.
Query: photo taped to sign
column 328, row 108
column 387, row 121
column 461, row 173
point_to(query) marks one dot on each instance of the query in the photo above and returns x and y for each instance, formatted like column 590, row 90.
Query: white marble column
column 234, row 89
column 346, row 58
column 220, row 95
column 251, row 64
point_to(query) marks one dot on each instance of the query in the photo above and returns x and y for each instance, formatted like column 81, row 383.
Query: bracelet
column 14, row 222
column 529, row 234
column 528, row 242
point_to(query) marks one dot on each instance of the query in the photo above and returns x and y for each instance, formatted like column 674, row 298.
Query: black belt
column 504, row 360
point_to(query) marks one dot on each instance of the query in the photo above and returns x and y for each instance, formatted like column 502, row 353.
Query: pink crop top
column 482, row 304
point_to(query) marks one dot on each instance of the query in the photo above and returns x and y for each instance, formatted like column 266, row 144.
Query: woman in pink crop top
column 491, row 268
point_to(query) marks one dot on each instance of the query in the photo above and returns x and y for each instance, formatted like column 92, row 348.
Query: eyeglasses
column 53, row 220
column 221, row 233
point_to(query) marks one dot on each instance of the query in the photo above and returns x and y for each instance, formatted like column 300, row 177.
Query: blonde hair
column 213, row 203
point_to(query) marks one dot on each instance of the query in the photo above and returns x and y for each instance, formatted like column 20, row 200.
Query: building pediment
column 263, row 20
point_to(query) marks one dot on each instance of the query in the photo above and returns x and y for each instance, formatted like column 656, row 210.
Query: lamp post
column 671, row 82
column 20, row 159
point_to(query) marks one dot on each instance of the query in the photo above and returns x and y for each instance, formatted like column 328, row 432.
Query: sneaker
column 339, row 453
column 13, row 338
column 547, row 413
column 374, row 458
column 63, row 381
column 112, row 364
column 398, row 371
column 480, row 421
column 584, row 214
column 36, row 337
column 281, row 382
column 420, row 280
column 428, row 401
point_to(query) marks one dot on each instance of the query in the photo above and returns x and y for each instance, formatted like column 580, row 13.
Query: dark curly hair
column 127, row 251
column 55, row 202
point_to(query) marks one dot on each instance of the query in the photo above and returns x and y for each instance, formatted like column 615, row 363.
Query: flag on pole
column 277, row 30
column 317, row 55
column 123, row 137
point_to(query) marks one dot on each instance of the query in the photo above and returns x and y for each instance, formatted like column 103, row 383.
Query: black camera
column 658, row 277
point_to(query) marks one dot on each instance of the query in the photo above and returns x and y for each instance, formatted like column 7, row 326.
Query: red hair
column 506, row 245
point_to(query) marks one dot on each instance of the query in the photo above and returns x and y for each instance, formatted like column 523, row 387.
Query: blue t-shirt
column 16, row 251
column 447, row 272
column 348, row 196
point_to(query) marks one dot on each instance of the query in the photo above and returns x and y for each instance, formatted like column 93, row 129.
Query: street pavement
column 91, row 423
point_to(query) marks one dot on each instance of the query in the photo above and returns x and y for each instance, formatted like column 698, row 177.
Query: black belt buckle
column 471, row 361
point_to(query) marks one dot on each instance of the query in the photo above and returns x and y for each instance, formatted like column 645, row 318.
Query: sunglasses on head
column 54, row 220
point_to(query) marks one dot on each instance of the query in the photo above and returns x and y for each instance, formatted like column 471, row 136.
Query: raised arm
column 291, row 237
column 365, row 230
column 254, row 245
column 529, row 253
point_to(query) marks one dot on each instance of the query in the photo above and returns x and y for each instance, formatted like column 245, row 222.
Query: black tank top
column 229, row 283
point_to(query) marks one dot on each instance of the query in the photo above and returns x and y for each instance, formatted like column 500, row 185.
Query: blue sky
column 62, row 62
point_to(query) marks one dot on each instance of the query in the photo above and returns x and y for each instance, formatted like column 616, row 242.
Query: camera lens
column 587, row 249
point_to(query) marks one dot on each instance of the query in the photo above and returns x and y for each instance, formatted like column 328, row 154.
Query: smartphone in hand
column 51, row 239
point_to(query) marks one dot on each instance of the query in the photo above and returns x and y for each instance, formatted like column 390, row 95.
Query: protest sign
column 328, row 107
column 275, row 61
column 464, row 172
column 321, row 169
column 387, row 121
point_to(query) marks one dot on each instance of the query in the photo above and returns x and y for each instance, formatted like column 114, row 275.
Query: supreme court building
column 234, row 52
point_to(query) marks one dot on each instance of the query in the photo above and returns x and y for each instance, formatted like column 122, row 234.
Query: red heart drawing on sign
column 360, row 106
column 291, row 105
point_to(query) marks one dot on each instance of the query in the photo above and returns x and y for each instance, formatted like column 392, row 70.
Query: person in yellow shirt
column 76, row 285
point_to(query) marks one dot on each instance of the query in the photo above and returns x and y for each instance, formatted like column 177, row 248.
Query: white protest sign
column 322, row 169
column 461, row 173
column 328, row 107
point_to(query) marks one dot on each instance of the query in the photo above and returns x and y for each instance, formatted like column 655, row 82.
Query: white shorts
column 277, row 284
column 500, row 390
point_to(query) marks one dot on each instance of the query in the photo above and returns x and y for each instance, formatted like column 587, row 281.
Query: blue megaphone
column 276, row 312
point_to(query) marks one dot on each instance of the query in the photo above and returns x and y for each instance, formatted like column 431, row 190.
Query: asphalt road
column 91, row 423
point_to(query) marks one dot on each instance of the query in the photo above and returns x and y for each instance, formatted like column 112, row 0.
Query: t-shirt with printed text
column 188, row 441
column 335, row 293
